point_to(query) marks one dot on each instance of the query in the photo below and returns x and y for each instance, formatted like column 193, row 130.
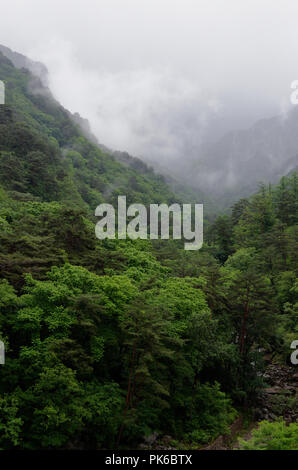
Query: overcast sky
column 157, row 77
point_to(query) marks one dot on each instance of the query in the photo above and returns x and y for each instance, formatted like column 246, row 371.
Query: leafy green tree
column 272, row 436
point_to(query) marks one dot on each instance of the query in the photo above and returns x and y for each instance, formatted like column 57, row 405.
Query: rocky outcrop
column 280, row 398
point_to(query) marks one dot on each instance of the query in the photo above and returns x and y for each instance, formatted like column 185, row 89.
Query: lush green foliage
column 273, row 436
column 107, row 341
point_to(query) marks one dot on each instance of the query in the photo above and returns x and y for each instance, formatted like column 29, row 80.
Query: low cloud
column 149, row 112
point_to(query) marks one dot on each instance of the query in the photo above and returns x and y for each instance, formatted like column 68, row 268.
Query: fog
column 159, row 78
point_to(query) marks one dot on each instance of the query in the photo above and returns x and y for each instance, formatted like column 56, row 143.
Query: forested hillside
column 235, row 164
column 110, row 341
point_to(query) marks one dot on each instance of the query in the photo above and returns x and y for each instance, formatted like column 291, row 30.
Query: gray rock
column 149, row 440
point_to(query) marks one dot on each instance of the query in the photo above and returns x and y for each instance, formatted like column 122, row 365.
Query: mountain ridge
column 96, row 173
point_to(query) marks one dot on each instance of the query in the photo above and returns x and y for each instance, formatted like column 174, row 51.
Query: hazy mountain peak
column 20, row 61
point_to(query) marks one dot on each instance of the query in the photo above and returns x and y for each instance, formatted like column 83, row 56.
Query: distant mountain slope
column 241, row 159
column 228, row 169
column 45, row 150
column 20, row 61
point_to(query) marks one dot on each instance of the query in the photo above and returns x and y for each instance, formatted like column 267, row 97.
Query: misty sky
column 158, row 77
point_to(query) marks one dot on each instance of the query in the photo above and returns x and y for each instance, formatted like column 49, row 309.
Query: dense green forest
column 109, row 341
